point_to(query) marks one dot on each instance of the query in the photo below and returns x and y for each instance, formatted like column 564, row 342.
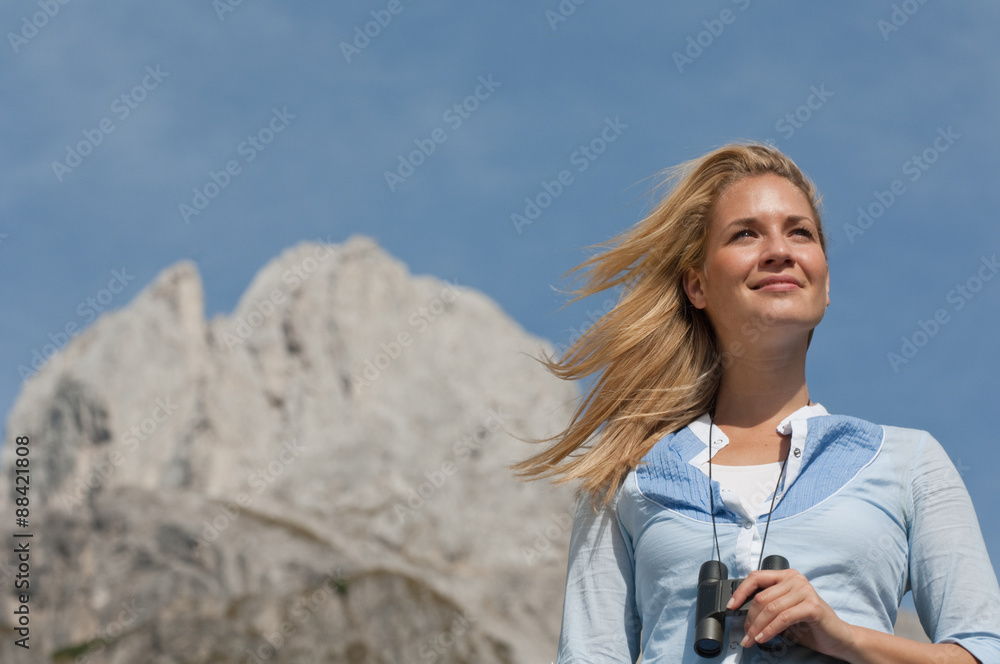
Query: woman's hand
column 788, row 603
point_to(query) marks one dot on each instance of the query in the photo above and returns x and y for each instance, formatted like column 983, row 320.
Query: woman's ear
column 693, row 288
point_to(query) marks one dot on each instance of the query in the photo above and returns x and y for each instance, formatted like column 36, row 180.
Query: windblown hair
column 657, row 355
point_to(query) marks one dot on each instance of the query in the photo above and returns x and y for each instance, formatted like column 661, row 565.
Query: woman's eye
column 746, row 232
column 804, row 231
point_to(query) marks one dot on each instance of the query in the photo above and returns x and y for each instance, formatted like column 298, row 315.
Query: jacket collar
column 828, row 450
column 700, row 428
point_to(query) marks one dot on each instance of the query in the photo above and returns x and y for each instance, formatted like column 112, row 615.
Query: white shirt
column 753, row 485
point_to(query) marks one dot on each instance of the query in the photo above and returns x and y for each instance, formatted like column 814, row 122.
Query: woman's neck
column 761, row 391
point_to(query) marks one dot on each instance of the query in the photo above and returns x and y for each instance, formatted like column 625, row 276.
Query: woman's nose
column 776, row 249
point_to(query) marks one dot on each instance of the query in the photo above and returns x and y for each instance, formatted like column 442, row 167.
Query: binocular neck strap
column 711, row 499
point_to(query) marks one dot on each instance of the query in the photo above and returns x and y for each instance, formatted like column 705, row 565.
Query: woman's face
column 765, row 274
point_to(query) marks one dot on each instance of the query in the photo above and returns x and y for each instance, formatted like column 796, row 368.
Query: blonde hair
column 657, row 355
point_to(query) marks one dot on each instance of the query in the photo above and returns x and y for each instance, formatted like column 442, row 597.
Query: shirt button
column 748, row 524
column 797, row 452
column 733, row 645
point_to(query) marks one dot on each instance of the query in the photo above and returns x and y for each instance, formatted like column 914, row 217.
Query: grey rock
column 329, row 460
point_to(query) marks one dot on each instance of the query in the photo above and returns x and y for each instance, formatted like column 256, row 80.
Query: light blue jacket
column 865, row 512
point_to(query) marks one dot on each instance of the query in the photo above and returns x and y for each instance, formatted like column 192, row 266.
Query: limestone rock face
column 319, row 477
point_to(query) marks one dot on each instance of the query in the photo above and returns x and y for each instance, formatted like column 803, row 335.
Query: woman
column 700, row 442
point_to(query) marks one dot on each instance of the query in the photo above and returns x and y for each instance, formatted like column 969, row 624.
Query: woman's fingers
column 753, row 582
column 779, row 606
column 791, row 606
column 778, row 615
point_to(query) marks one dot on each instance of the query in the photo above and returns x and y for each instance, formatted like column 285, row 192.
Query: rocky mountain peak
column 329, row 460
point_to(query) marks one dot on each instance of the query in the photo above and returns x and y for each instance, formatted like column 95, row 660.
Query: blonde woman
column 699, row 444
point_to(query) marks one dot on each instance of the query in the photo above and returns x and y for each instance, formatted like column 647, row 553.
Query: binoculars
column 714, row 592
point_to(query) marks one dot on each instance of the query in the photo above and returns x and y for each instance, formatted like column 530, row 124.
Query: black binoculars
column 714, row 592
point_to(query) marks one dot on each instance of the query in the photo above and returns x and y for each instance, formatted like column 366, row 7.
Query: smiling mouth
column 777, row 286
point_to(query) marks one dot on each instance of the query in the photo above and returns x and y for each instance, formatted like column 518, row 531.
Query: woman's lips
column 778, row 286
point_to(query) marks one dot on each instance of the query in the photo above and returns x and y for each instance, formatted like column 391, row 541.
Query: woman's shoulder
column 889, row 435
column 904, row 449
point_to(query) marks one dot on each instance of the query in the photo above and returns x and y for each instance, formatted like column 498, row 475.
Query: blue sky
column 890, row 107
